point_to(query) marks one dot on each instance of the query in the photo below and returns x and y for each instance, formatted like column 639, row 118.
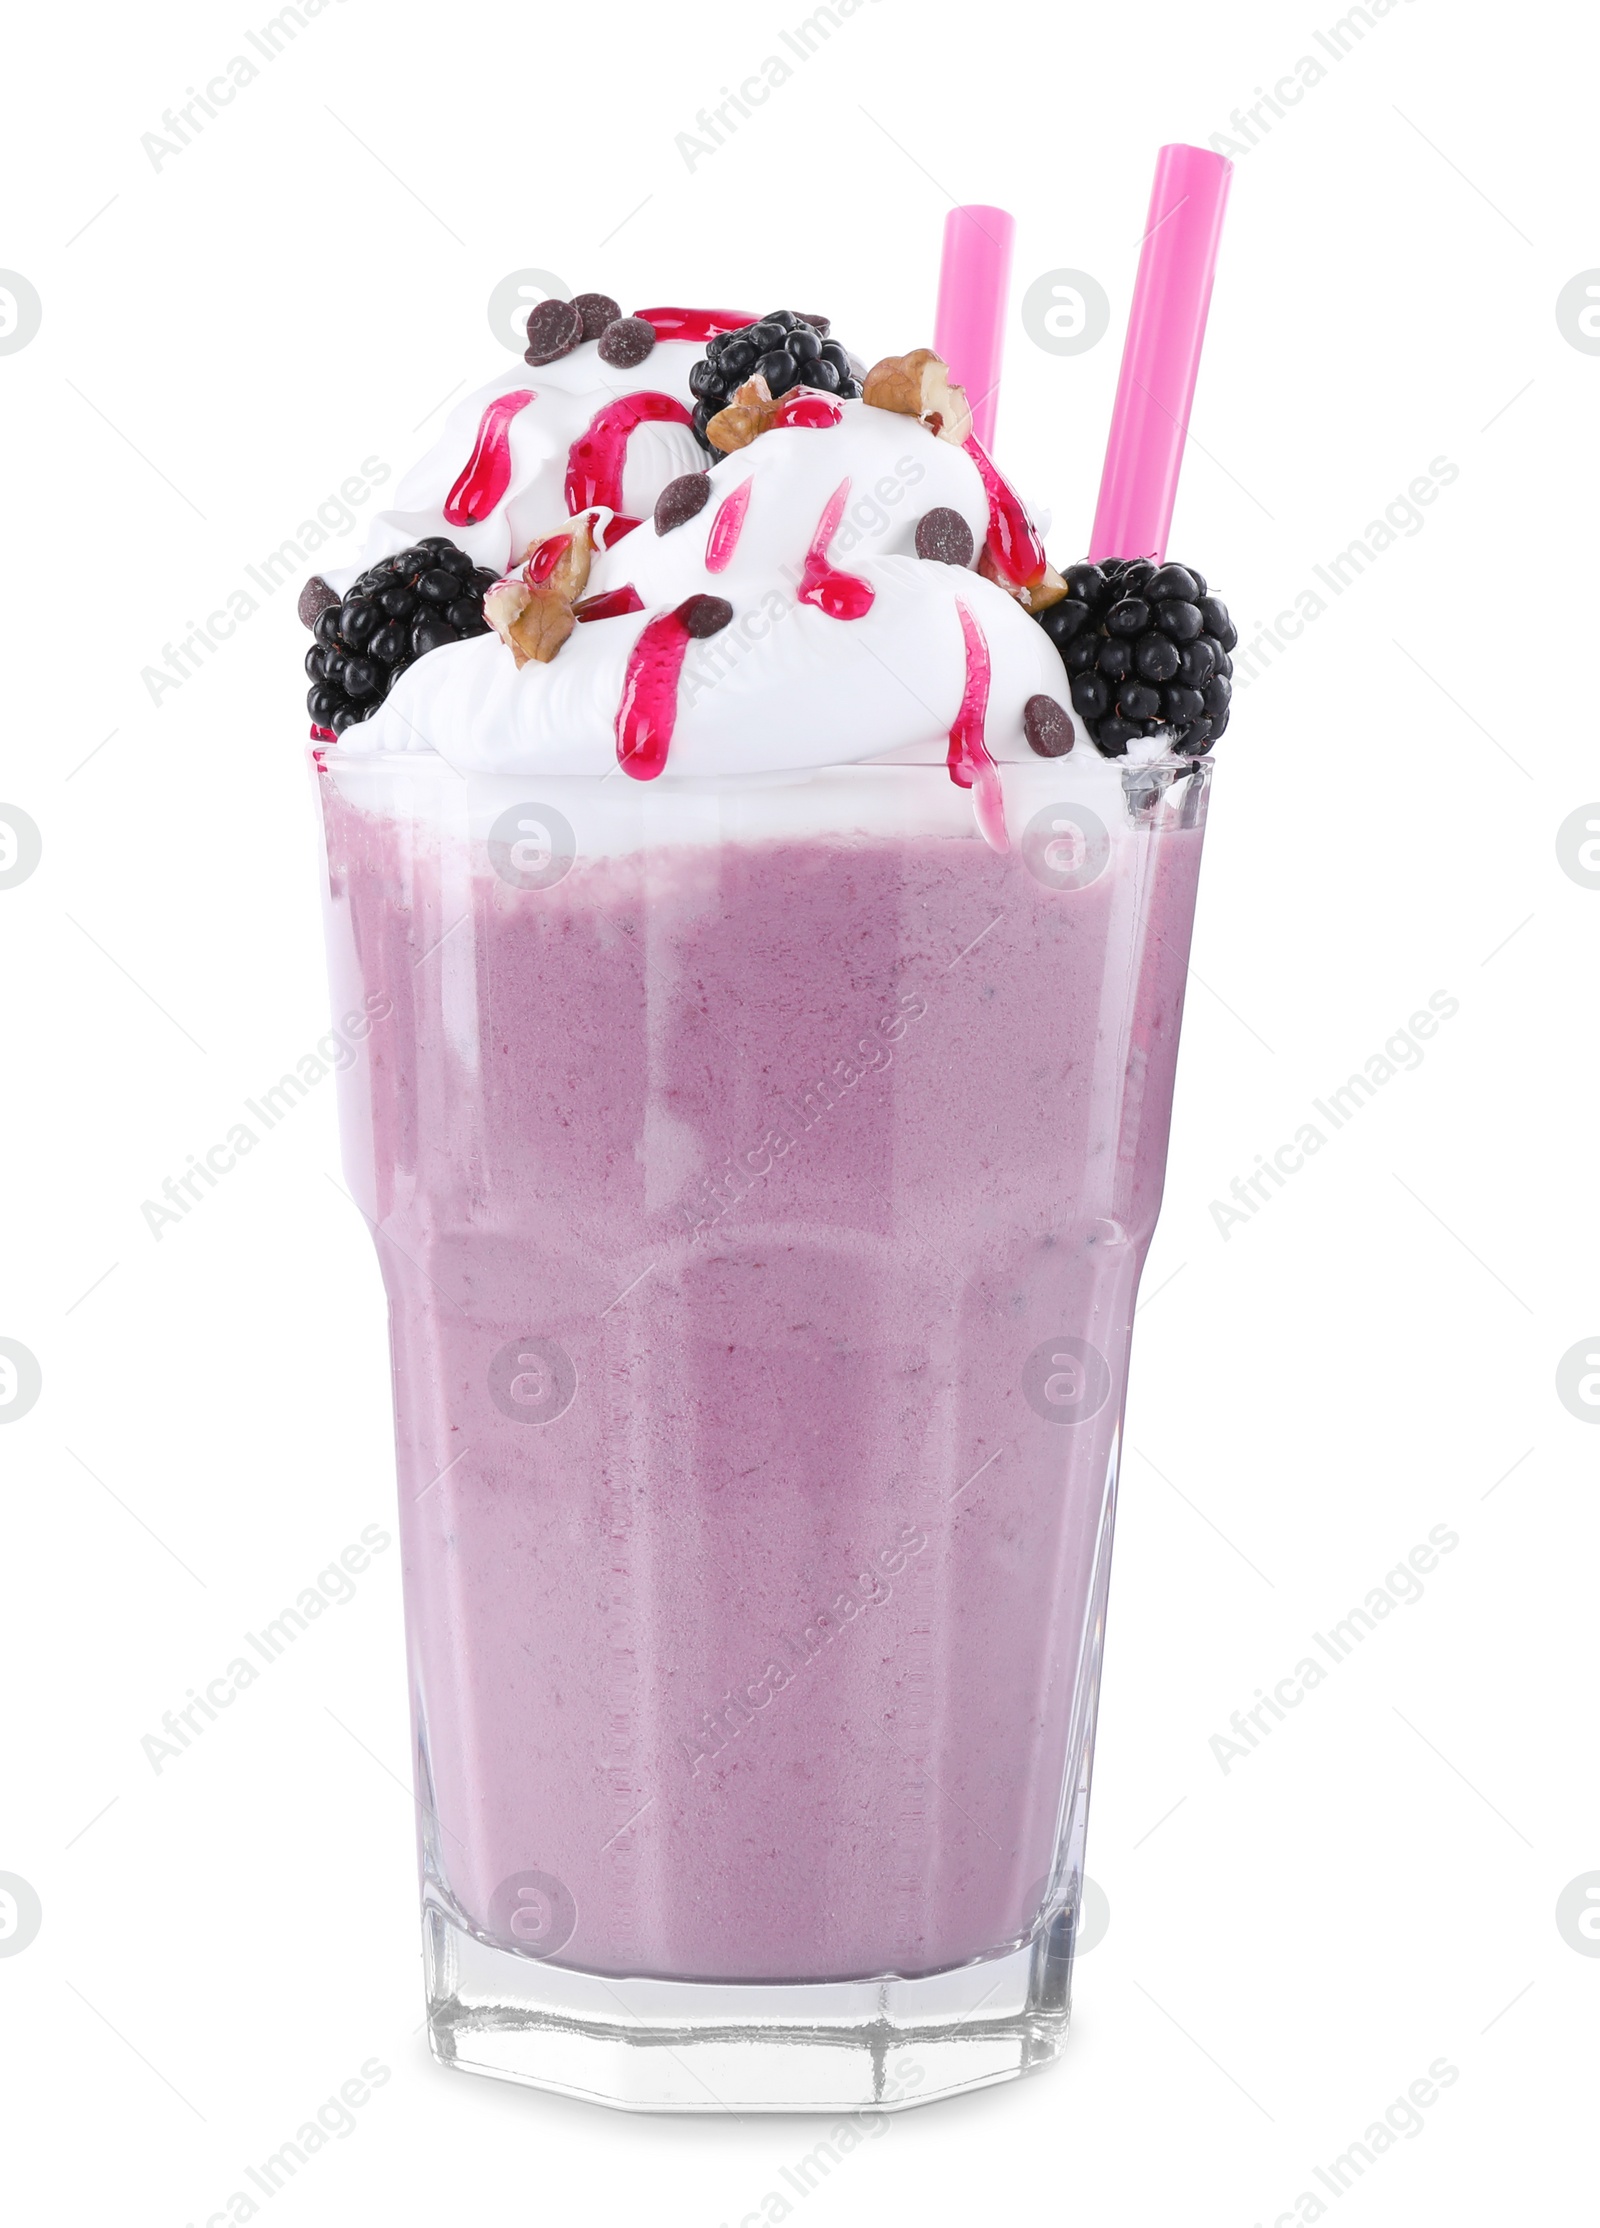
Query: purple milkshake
column 762, row 1145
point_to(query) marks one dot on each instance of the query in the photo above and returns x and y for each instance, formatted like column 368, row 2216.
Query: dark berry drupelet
column 1147, row 648
column 399, row 610
column 785, row 349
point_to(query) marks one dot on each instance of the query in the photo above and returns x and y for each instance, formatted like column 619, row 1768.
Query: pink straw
column 970, row 322
column 1161, row 357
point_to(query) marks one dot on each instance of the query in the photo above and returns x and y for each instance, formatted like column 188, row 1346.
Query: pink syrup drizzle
column 1015, row 547
column 802, row 406
column 971, row 766
column 808, row 406
column 842, row 595
column 596, row 458
column 727, row 526
column 487, row 472
column 614, row 604
column 694, row 324
column 649, row 708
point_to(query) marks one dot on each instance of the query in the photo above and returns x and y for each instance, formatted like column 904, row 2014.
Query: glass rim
column 332, row 758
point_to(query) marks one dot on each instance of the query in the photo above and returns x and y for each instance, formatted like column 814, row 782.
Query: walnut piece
column 752, row 410
column 531, row 609
column 919, row 386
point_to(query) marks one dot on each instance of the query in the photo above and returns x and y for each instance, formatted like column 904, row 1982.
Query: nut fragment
column 1033, row 595
column 751, row 411
column 919, row 386
column 531, row 610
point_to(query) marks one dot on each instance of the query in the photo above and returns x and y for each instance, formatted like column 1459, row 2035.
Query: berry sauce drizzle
column 971, row 766
column 607, row 528
column 727, row 526
column 614, row 604
column 808, row 406
column 649, row 708
column 545, row 558
column 487, row 472
column 596, row 458
column 694, row 324
column 842, row 595
column 1013, row 544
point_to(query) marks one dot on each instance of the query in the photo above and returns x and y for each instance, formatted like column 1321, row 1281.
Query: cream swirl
column 786, row 684
column 567, row 396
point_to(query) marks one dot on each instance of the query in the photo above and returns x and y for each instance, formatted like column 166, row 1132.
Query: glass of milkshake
column 780, row 923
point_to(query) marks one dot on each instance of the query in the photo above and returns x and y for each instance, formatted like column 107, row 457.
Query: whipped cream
column 785, row 685
column 567, row 396
column 929, row 651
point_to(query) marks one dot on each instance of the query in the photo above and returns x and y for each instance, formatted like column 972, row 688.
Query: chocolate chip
column 1047, row 726
column 626, row 341
column 682, row 499
column 554, row 329
column 597, row 311
column 945, row 536
column 703, row 615
column 316, row 597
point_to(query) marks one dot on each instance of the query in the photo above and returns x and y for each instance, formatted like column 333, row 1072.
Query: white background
column 224, row 339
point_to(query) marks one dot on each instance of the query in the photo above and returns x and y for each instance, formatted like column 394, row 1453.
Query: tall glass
column 761, row 1173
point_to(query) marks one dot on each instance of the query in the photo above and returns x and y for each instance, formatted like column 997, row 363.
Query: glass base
column 878, row 2045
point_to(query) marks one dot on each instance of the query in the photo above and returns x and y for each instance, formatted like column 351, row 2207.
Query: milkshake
column 774, row 879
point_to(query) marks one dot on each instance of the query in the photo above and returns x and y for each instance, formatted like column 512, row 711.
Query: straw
column 969, row 324
column 1161, row 357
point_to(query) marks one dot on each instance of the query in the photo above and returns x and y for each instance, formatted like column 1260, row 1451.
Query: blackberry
column 401, row 608
column 1145, row 647
column 783, row 348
